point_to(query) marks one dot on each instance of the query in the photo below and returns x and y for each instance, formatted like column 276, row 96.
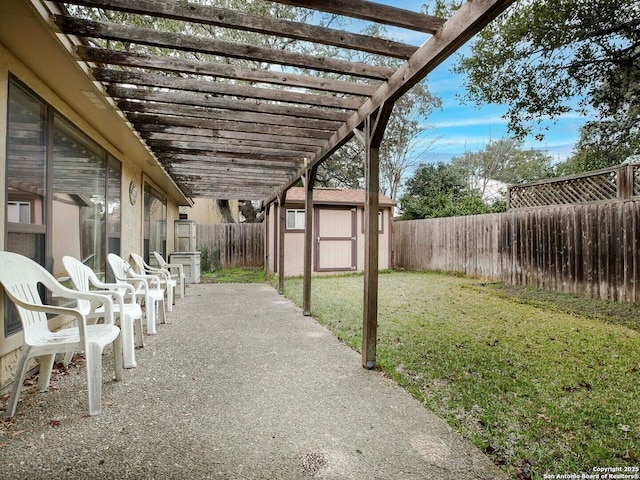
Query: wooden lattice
column 602, row 185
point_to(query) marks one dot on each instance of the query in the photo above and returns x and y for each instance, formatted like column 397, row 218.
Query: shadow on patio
column 239, row 385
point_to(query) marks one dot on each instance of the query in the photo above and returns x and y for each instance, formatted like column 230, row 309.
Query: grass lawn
column 543, row 383
column 234, row 275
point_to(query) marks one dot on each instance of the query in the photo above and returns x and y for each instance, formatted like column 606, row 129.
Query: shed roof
column 335, row 196
column 232, row 120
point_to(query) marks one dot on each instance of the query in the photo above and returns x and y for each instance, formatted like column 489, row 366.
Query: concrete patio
column 240, row 385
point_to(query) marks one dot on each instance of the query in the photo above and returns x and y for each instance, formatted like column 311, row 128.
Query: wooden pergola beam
column 220, row 17
column 220, row 70
column 147, row 79
column 209, row 101
column 272, row 147
column 150, row 120
column 325, row 126
column 197, row 132
column 209, row 46
column 373, row 12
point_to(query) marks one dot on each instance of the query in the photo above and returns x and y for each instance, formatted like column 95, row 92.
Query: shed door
column 336, row 239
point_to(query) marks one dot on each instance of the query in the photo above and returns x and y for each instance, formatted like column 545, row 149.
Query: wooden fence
column 233, row 244
column 589, row 249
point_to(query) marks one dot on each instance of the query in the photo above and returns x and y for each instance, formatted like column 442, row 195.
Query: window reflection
column 155, row 223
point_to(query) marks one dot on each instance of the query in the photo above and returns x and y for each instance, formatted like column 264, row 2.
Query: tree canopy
column 439, row 190
column 547, row 58
column 504, row 161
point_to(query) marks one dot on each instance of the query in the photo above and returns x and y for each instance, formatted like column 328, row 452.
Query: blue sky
column 470, row 128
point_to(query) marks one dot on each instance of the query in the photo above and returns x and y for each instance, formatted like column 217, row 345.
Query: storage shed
column 338, row 231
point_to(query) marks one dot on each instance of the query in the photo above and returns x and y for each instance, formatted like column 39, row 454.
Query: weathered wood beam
column 464, row 24
column 211, row 15
column 198, row 67
column 209, row 101
column 147, row 128
column 282, row 197
column 241, row 178
column 273, row 147
column 173, row 82
column 209, row 113
column 310, row 179
column 372, row 12
column 371, row 137
column 211, row 46
column 160, row 150
column 205, row 160
column 154, row 120
column 214, row 149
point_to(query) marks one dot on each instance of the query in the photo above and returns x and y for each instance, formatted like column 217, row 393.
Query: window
column 155, row 223
column 295, row 220
column 25, row 184
column 19, row 212
column 62, row 189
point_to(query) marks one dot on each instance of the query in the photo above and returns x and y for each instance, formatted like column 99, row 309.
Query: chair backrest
column 119, row 267
column 139, row 263
column 160, row 260
column 20, row 276
column 81, row 276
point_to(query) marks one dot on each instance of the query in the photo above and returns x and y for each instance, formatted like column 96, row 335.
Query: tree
column 403, row 143
column 592, row 152
column 549, row 57
column 503, row 161
column 439, row 191
column 402, row 147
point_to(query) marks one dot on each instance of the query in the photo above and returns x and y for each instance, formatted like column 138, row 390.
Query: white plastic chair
column 171, row 267
column 20, row 277
column 166, row 282
column 128, row 314
column 147, row 289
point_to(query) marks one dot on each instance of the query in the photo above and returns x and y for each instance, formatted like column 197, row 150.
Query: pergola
column 224, row 129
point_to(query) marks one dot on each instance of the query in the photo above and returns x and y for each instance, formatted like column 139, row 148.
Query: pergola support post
column 267, row 219
column 282, row 216
column 309, row 180
column 371, row 137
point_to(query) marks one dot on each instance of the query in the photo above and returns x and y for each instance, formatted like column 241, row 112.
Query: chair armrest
column 179, row 266
column 147, row 278
column 166, row 275
column 79, row 316
column 116, row 287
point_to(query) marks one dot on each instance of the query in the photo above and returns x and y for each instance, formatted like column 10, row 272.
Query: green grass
column 234, row 275
column 538, row 387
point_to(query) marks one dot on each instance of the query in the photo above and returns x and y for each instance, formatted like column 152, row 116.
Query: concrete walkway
column 240, row 385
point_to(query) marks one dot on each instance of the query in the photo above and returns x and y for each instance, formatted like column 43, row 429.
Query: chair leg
column 46, row 367
column 182, row 288
column 94, row 377
column 150, row 310
column 161, row 311
column 67, row 358
column 169, row 298
column 126, row 332
column 138, row 332
column 17, row 383
column 117, row 359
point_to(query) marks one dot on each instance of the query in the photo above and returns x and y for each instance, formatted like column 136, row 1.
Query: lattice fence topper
column 614, row 183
